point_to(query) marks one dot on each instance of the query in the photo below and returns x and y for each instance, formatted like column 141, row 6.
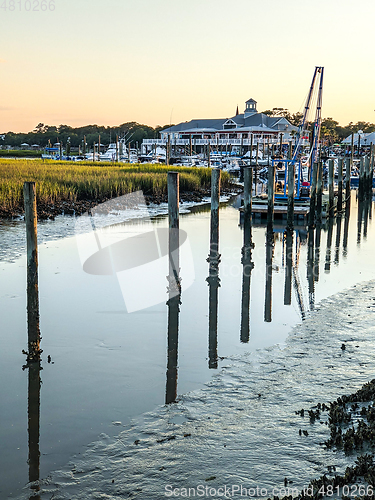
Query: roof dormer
column 229, row 124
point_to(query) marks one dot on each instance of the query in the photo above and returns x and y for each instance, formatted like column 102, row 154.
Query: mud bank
column 79, row 207
column 243, row 429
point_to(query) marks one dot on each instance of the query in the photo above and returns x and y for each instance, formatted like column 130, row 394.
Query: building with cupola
column 238, row 132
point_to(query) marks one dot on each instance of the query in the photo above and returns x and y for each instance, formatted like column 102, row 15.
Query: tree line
column 44, row 135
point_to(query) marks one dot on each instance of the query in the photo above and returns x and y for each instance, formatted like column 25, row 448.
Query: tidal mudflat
column 234, row 423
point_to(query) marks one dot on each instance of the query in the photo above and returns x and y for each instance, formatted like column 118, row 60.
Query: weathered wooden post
column 271, row 198
column 330, row 188
column 247, row 198
column 291, row 181
column 313, row 195
column 174, row 286
column 281, row 145
column 29, row 195
column 361, row 180
column 173, row 218
column 61, row 150
column 215, row 201
column 99, row 148
column 190, row 146
column 366, row 177
column 168, row 150
column 347, row 182
column 339, row 185
column 214, row 259
column 256, row 169
column 117, row 149
column 319, row 192
column 371, row 171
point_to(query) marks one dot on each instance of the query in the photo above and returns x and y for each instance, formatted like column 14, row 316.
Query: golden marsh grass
column 68, row 181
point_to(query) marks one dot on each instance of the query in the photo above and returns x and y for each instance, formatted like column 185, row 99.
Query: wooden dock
column 259, row 208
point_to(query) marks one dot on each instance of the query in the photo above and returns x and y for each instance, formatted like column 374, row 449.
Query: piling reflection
column 365, row 218
column 213, row 281
column 288, row 266
column 327, row 265
column 33, row 414
column 318, row 232
column 296, row 280
column 247, row 266
column 359, row 221
column 174, row 301
column 310, row 268
column 268, row 297
column 346, row 231
column 338, row 239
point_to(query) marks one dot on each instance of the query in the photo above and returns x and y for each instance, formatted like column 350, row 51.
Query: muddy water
column 109, row 365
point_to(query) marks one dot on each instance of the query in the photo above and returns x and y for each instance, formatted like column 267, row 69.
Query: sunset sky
column 167, row 61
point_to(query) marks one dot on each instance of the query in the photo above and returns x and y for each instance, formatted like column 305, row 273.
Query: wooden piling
column 366, row 178
column 256, row 169
column 361, row 180
column 319, row 193
column 29, row 194
column 347, row 182
column 291, row 181
column 271, row 198
column 339, row 185
column 248, row 189
column 330, row 188
column 215, row 200
column 313, row 195
column 372, row 157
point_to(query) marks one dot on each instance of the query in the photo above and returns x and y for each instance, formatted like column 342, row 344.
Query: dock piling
column 339, row 185
column 29, row 194
column 291, row 180
column 330, row 188
column 271, row 198
column 313, row 195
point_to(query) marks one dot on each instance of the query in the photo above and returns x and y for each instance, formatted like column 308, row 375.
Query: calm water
column 109, row 365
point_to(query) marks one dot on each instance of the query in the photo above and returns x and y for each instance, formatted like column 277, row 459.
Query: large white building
column 239, row 131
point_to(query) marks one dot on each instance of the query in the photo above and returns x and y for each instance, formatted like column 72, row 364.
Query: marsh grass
column 67, row 181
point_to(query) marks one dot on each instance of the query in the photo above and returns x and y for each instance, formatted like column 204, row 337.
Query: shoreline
column 48, row 211
column 242, row 428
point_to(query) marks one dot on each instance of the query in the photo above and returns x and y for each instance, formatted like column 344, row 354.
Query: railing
column 212, row 142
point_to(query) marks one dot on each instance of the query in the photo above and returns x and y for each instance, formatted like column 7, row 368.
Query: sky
column 156, row 62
